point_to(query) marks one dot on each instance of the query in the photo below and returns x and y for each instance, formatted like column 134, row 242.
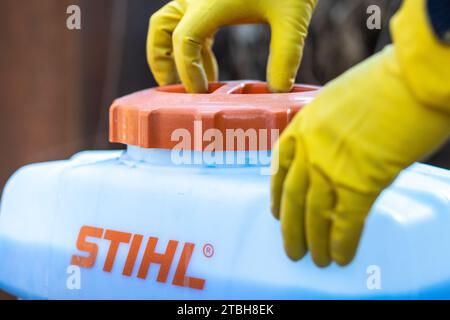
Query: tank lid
column 166, row 116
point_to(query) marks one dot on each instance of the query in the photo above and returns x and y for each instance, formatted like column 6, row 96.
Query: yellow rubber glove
column 350, row 143
column 181, row 35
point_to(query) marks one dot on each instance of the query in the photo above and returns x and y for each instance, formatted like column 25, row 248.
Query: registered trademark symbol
column 208, row 250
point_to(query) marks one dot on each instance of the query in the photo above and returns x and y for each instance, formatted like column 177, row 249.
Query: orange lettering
column 83, row 245
column 116, row 238
column 165, row 260
column 132, row 254
column 180, row 278
column 150, row 256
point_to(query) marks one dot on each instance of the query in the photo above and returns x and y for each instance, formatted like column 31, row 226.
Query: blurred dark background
column 56, row 84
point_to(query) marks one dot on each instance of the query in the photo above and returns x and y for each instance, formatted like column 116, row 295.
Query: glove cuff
column 424, row 60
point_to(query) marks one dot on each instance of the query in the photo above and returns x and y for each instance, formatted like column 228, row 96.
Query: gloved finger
column 200, row 21
column 159, row 42
column 293, row 206
column 188, row 40
column 209, row 60
column 282, row 156
column 319, row 204
column 348, row 222
column 289, row 27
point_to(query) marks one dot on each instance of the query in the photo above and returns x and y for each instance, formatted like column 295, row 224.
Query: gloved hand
column 181, row 35
column 350, row 143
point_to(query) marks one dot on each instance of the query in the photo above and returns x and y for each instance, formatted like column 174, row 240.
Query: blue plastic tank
column 146, row 224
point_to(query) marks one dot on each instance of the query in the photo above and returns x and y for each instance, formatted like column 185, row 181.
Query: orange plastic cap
column 153, row 118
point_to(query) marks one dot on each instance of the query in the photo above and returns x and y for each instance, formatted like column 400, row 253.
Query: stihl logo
column 116, row 238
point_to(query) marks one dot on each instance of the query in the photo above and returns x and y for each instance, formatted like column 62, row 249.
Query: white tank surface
column 151, row 223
